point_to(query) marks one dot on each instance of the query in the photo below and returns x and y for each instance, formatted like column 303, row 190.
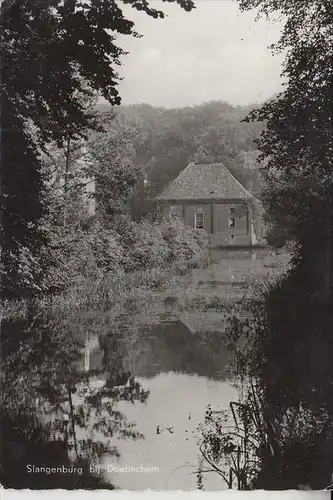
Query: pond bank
column 200, row 296
column 169, row 340
column 174, row 346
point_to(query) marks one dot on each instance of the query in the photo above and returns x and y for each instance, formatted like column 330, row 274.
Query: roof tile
column 199, row 181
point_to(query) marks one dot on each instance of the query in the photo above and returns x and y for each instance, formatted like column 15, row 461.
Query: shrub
column 276, row 237
column 146, row 247
column 92, row 259
column 187, row 246
column 82, row 254
column 161, row 243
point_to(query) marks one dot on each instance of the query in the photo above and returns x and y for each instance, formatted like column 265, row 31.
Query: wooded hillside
column 168, row 139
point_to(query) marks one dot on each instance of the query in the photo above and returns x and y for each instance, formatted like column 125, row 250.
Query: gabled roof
column 199, row 182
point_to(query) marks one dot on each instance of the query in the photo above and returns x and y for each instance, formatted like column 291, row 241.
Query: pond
column 179, row 357
column 133, row 399
column 183, row 371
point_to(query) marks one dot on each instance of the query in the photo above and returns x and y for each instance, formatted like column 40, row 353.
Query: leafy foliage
column 297, row 142
column 168, row 139
column 92, row 244
column 43, row 384
column 164, row 243
column 57, row 57
column 280, row 426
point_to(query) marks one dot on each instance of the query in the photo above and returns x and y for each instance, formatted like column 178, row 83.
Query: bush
column 187, row 246
column 82, row 254
column 93, row 259
column 23, row 273
column 162, row 243
column 277, row 237
column 146, row 247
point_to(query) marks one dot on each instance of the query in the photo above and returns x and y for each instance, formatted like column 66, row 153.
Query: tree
column 212, row 132
column 296, row 149
column 40, row 374
column 54, row 54
column 297, row 141
column 97, row 168
column 88, row 185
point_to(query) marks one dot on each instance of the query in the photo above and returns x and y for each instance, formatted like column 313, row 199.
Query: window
column 175, row 211
column 231, row 222
column 231, row 210
column 199, row 221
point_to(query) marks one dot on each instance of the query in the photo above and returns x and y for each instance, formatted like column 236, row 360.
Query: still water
column 183, row 371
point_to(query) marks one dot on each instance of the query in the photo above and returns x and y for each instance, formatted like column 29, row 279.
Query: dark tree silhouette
column 54, row 55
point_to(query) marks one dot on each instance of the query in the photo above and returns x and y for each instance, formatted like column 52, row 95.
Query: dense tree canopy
column 168, row 139
column 296, row 145
column 55, row 52
column 297, row 142
column 55, row 55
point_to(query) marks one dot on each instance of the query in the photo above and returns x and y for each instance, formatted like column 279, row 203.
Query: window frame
column 201, row 215
column 173, row 213
column 232, row 222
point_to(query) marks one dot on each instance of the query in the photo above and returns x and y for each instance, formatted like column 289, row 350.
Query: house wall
column 241, row 234
column 223, row 215
column 173, row 208
column 260, row 226
column 216, row 216
column 206, row 208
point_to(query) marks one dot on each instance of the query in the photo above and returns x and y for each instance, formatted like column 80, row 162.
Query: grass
column 235, row 276
column 217, row 288
column 113, row 292
column 207, row 295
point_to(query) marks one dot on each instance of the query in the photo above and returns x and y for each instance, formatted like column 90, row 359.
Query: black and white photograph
column 166, row 245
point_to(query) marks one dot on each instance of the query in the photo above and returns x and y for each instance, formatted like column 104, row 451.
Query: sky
column 212, row 53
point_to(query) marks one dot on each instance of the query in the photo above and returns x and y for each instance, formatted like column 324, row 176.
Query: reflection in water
column 53, row 413
column 171, row 347
column 184, row 372
column 97, row 406
column 169, row 421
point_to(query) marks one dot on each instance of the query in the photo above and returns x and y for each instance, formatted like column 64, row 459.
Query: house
column 208, row 197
